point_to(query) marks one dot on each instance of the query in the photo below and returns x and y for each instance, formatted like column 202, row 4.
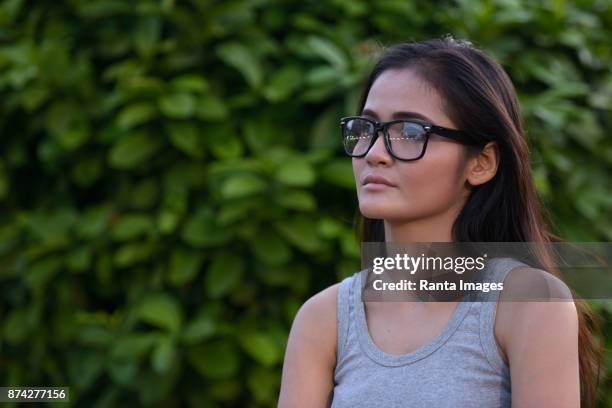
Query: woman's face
column 429, row 186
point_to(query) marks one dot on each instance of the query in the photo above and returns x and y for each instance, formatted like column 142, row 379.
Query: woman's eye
column 412, row 132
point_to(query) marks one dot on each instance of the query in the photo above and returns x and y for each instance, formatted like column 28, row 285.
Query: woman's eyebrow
column 397, row 115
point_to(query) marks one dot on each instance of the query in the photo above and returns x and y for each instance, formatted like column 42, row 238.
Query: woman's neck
column 437, row 228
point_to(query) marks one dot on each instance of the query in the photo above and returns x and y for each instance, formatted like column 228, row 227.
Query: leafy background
column 172, row 186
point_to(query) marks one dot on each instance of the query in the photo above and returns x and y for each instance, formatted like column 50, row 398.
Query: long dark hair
column 479, row 97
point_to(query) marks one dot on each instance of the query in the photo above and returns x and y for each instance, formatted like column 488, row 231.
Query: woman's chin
column 375, row 211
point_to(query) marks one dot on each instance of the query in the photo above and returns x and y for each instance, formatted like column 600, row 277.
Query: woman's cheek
column 357, row 169
column 426, row 190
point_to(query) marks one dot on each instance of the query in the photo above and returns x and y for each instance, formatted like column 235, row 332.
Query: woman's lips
column 376, row 187
column 375, row 182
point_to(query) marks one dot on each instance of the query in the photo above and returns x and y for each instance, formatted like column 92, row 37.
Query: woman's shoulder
column 319, row 312
column 310, row 355
column 314, row 329
column 318, row 323
column 532, row 303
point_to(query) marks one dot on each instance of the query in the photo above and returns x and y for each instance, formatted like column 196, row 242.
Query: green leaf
column 264, row 385
column 187, row 138
column 133, row 253
column 226, row 390
column 87, row 171
column 85, row 368
column 122, row 372
column 242, row 58
column 211, row 107
column 270, row 248
column 328, row 51
column 15, row 327
column 349, row 244
column 133, row 346
column 262, row 348
column 164, row 355
column 52, row 228
column 190, row 83
column 146, row 35
column 226, row 146
column 10, row 236
column 325, row 133
column 34, row 96
column 297, row 200
column 322, row 76
column 93, row 221
column 263, row 133
column 200, row 328
column 296, row 172
column 301, row 232
column 4, row 181
column 131, row 226
column 40, row 273
column 134, row 115
column 329, row 227
column 184, row 266
column 167, row 221
column 161, row 310
column 79, row 259
column 178, row 105
column 133, row 150
column 145, row 194
column 235, row 210
column 242, row 186
column 283, row 83
column 223, row 274
column 340, row 173
column 216, row 360
column 201, row 229
column 68, row 124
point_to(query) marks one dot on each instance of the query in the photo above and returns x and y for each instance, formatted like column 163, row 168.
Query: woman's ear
column 483, row 165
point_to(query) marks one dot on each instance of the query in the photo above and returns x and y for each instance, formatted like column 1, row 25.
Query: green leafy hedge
column 172, row 186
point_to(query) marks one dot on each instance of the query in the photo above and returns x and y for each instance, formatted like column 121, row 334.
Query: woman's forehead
column 403, row 90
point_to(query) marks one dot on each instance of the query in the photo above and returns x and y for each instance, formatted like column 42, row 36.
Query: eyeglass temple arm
column 453, row 134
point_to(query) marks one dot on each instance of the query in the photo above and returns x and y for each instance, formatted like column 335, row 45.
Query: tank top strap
column 496, row 273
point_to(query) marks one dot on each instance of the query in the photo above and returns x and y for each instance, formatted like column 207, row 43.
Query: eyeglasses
column 405, row 139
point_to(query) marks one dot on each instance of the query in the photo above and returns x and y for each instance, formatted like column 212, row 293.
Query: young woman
column 464, row 177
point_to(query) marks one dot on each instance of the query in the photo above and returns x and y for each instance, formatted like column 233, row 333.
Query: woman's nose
column 378, row 152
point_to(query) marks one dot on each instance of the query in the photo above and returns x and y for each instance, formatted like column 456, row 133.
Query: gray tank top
column 461, row 367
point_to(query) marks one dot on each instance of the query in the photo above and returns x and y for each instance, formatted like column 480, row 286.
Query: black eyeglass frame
column 453, row 134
